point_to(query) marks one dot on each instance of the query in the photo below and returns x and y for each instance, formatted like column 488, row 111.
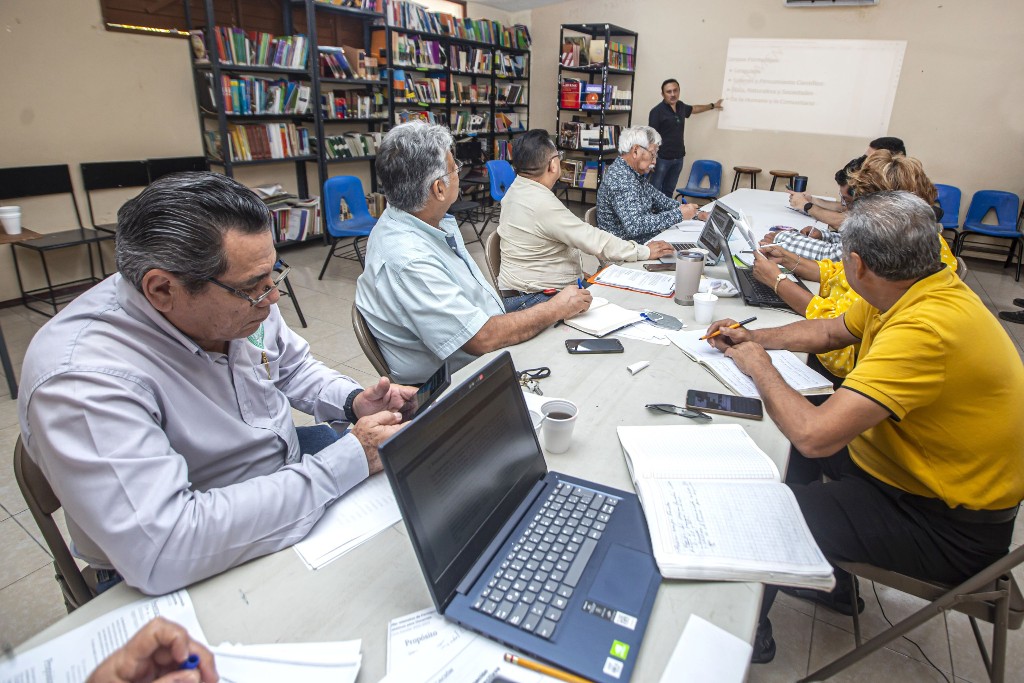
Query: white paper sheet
column 336, row 662
column 74, row 655
column 707, row 653
column 356, row 517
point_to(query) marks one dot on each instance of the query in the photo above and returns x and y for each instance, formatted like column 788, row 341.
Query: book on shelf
column 350, row 145
column 659, row 284
column 404, row 115
column 297, row 221
column 259, row 141
column 509, row 66
column 595, row 53
column 513, row 93
column 621, row 56
column 570, row 93
column 572, row 172
column 468, row 122
column 347, row 104
column 197, row 39
column 575, row 51
column 591, row 173
column 716, row 508
column 503, row 149
column 334, row 63
column 569, row 135
column 413, row 51
column 470, row 59
column 273, row 194
column 594, row 96
column 795, row 373
column 509, row 122
column 252, row 48
column 603, row 318
column 590, row 137
column 360, row 62
column 369, row 5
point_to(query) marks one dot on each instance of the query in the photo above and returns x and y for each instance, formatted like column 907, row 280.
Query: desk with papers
column 277, row 598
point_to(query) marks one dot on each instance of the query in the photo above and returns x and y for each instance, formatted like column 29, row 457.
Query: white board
column 829, row 87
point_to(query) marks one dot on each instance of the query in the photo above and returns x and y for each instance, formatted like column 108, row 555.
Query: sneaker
column 764, row 643
column 1019, row 302
column 1013, row 316
column 837, row 601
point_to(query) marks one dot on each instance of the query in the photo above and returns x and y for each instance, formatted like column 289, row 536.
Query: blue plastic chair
column 350, row 189
column 949, row 202
column 701, row 169
column 1006, row 205
column 500, row 175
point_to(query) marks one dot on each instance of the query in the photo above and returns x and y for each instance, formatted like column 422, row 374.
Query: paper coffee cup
column 559, row 419
column 10, row 218
column 704, row 307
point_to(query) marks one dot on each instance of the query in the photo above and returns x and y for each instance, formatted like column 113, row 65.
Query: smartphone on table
column 659, row 266
column 725, row 404
column 593, row 346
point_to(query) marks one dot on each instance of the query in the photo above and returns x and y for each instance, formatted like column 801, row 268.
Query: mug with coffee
column 799, row 183
column 559, row 419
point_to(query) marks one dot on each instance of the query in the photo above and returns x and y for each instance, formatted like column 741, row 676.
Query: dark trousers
column 666, row 174
column 857, row 518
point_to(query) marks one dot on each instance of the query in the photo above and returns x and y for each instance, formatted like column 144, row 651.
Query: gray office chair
column 492, row 252
column 368, row 343
column 591, row 216
column 992, row 595
column 961, row 268
column 42, row 502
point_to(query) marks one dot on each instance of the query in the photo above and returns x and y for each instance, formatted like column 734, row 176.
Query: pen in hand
column 731, row 327
column 579, row 285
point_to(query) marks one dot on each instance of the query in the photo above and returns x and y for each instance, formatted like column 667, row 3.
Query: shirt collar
column 137, row 306
column 448, row 227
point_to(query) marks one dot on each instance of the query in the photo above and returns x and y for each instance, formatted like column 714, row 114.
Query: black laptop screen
column 461, row 470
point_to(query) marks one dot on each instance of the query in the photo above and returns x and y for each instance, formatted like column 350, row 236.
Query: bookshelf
column 597, row 65
column 275, row 98
column 472, row 75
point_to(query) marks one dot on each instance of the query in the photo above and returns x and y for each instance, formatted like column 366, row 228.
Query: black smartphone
column 659, row 266
column 593, row 346
column 431, row 389
column 725, row 404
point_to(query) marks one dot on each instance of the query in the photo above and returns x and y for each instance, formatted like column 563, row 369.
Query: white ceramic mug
column 559, row 419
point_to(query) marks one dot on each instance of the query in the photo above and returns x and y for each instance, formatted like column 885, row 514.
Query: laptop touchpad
column 618, row 584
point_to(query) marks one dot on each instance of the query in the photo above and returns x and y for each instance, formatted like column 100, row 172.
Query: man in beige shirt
column 543, row 242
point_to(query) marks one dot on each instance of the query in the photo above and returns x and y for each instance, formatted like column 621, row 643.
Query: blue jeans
column 524, row 301
column 666, row 174
column 312, row 439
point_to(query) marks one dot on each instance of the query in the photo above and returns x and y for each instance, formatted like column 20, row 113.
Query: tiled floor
column 807, row 637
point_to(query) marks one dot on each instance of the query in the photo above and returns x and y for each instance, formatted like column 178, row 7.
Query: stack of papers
column 658, row 284
column 353, row 519
column 796, row 374
column 336, row 662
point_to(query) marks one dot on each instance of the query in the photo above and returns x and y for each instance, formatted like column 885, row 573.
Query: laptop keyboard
column 532, row 587
column 763, row 292
column 684, row 246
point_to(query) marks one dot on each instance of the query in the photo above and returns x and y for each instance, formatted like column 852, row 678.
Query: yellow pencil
column 731, row 327
column 543, row 668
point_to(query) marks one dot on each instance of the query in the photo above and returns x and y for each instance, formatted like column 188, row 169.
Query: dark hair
column 894, row 233
column 531, row 152
column 894, row 145
column 178, row 224
column 852, row 166
column 666, row 82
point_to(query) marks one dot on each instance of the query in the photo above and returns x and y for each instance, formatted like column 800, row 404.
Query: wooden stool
column 752, row 171
column 781, row 174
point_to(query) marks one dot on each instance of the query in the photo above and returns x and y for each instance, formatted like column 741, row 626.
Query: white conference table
column 276, row 599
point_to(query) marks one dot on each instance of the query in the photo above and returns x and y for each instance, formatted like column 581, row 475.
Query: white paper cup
column 10, row 217
column 559, row 419
column 537, row 419
column 704, row 307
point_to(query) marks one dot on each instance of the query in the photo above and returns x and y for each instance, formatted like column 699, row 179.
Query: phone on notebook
column 659, row 266
column 725, row 404
column 593, row 346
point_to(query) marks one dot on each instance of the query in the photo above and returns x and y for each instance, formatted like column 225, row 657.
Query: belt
column 509, row 293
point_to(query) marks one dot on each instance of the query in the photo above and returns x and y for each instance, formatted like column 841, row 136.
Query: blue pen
column 579, row 282
column 191, row 663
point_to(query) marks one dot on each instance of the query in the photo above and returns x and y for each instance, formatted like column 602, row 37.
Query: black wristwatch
column 808, row 206
column 350, row 413
column 712, row 105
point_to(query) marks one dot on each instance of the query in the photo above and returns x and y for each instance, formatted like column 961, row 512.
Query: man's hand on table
column 156, row 654
column 766, row 269
column 729, row 336
column 385, row 396
column 571, row 301
column 660, row 248
column 373, row 430
column 798, row 199
column 688, row 211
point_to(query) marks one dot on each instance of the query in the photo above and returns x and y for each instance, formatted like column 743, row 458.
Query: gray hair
column 645, row 136
column 178, row 224
column 894, row 234
column 410, row 158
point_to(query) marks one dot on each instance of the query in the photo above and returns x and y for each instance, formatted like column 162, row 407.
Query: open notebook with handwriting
column 717, row 510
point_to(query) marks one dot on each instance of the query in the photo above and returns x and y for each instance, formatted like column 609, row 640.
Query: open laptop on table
column 551, row 565
column 718, row 226
column 755, row 293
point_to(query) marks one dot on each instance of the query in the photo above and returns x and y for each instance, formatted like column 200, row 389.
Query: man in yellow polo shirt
column 923, row 443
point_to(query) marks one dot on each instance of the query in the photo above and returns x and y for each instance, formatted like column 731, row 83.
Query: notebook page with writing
column 695, row 452
column 638, row 280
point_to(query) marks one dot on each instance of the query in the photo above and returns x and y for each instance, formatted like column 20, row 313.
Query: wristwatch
column 808, row 206
column 712, row 105
column 350, row 413
column 778, row 280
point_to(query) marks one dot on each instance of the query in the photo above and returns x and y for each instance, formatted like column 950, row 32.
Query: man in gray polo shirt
column 159, row 403
column 423, row 297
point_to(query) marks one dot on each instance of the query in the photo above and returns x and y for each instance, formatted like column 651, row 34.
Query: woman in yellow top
column 882, row 170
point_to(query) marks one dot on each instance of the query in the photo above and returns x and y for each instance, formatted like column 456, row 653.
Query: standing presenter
column 669, row 119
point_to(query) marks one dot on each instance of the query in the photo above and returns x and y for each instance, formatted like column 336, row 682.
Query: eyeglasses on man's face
column 458, row 167
column 255, row 295
column 653, row 152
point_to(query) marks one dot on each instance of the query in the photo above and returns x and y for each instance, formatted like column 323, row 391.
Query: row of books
column 254, row 95
column 404, row 115
column 510, row 66
column 430, row 90
column 577, row 94
column 415, row 17
column 503, row 149
column 347, row 104
column 347, row 62
column 468, row 122
column 580, row 173
column 416, row 51
column 369, row 5
column 512, row 93
column 471, row 59
column 583, row 51
column 576, row 135
column 621, row 56
column 351, row 145
column 509, row 122
column 252, row 48
column 259, row 141
column 470, row 93
column 297, row 220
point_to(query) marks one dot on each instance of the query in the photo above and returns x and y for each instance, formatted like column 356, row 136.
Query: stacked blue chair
column 500, row 174
column 350, row 189
column 949, row 202
column 701, row 169
column 1005, row 205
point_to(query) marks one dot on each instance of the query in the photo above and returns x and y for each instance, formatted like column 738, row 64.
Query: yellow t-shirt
column 835, row 297
column 954, row 383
